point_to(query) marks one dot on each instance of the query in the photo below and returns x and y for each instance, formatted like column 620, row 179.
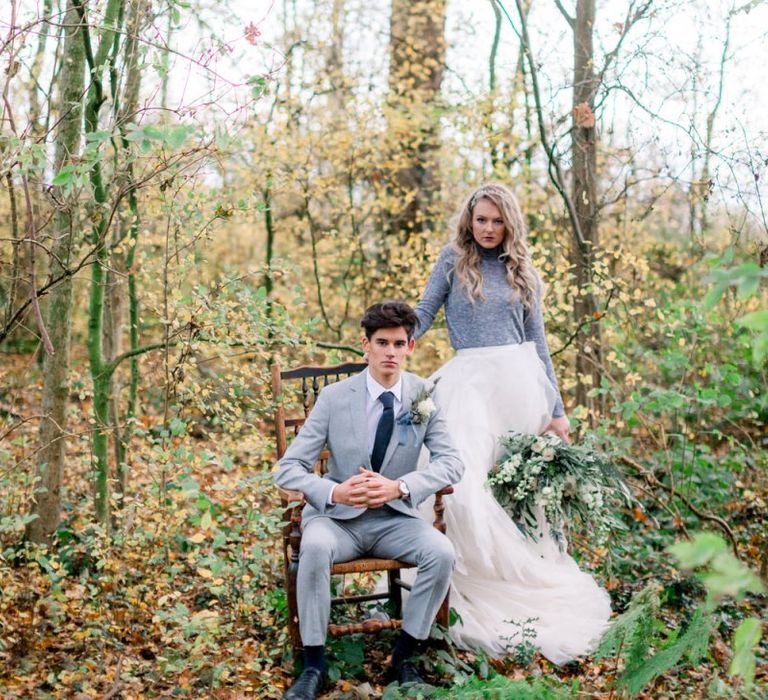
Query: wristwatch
column 404, row 490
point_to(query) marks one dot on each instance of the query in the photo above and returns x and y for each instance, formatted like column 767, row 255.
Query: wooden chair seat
column 361, row 566
column 309, row 380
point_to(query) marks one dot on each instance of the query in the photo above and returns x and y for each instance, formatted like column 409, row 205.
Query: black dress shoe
column 406, row 673
column 307, row 685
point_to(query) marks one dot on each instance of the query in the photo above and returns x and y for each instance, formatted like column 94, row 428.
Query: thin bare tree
column 53, row 427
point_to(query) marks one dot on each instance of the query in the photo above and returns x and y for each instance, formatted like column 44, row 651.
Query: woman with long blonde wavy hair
column 521, row 276
column 505, row 586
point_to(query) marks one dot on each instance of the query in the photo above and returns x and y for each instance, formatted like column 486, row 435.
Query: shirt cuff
column 330, row 501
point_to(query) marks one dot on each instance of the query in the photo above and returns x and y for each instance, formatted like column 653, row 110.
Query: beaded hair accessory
column 477, row 196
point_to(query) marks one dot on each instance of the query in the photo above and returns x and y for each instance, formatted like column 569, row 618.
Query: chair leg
column 294, row 634
column 291, row 548
column 395, row 592
column 443, row 613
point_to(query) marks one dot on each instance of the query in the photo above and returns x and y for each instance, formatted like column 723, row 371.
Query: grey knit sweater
column 493, row 321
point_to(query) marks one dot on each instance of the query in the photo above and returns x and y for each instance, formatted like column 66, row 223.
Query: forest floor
column 186, row 599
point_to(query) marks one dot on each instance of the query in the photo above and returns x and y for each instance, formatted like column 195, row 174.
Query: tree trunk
column 417, row 64
column 124, row 262
column 490, row 106
column 100, row 374
column 50, row 458
column 589, row 349
column 705, row 177
column 334, row 64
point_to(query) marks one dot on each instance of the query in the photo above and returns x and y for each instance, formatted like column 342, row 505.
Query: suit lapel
column 358, row 389
column 406, row 398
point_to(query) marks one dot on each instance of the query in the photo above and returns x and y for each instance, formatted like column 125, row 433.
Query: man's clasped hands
column 367, row 489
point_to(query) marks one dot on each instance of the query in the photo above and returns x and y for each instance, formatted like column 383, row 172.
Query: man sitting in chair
column 366, row 505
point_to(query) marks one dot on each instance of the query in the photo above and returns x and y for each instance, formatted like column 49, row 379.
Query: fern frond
column 632, row 631
column 692, row 643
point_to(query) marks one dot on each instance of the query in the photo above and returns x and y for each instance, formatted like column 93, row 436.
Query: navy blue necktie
column 383, row 430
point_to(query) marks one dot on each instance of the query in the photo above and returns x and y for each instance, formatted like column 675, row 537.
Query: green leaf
column 154, row 133
column 713, row 295
column 747, row 286
column 258, row 85
column 755, row 321
column 729, row 577
column 760, row 348
column 746, row 269
column 98, row 136
column 175, row 136
column 726, row 575
column 144, row 134
column 702, row 548
column 64, row 176
column 134, row 133
column 178, row 427
column 745, row 639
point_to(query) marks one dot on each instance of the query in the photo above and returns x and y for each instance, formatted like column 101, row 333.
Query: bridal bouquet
column 564, row 483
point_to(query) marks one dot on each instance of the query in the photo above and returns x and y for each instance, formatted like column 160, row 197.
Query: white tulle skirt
column 503, row 582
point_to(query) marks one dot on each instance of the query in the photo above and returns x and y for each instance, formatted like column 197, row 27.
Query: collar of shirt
column 375, row 389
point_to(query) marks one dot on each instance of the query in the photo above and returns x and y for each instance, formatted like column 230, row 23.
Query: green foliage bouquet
column 544, row 476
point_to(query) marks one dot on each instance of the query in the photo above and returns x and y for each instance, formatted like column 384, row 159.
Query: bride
column 506, row 588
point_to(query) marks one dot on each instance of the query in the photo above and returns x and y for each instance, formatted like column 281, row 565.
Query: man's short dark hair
column 389, row 314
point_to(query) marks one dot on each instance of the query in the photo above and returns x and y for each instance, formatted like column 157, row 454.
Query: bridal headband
column 478, row 195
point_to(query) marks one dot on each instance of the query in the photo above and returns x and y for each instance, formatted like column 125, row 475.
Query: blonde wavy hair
column 521, row 275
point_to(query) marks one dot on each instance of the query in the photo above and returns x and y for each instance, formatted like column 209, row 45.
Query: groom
column 366, row 505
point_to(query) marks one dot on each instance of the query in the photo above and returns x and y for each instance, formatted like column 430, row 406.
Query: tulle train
column 504, row 583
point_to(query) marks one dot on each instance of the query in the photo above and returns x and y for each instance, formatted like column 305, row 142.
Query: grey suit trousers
column 381, row 532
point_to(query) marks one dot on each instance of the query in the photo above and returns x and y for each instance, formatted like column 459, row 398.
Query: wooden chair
column 310, row 380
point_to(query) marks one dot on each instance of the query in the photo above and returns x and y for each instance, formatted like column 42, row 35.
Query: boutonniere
column 422, row 407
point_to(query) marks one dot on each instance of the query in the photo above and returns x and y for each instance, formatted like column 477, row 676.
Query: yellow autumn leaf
column 205, row 573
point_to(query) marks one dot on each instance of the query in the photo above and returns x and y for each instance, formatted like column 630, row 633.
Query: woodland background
column 192, row 191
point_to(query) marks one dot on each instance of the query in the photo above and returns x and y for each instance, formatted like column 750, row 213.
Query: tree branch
column 112, row 366
column 11, row 323
column 31, row 228
column 632, row 19
column 588, row 321
column 348, row 348
column 554, row 170
column 571, row 21
column 653, row 480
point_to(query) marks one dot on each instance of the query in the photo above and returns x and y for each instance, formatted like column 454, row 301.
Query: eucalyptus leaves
column 564, row 483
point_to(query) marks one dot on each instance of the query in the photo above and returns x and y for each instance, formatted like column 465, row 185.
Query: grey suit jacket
column 338, row 420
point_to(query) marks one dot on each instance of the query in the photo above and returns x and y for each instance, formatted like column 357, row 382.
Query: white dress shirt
column 374, row 408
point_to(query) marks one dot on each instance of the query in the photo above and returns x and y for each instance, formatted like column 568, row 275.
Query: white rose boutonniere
column 421, row 411
column 422, row 407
